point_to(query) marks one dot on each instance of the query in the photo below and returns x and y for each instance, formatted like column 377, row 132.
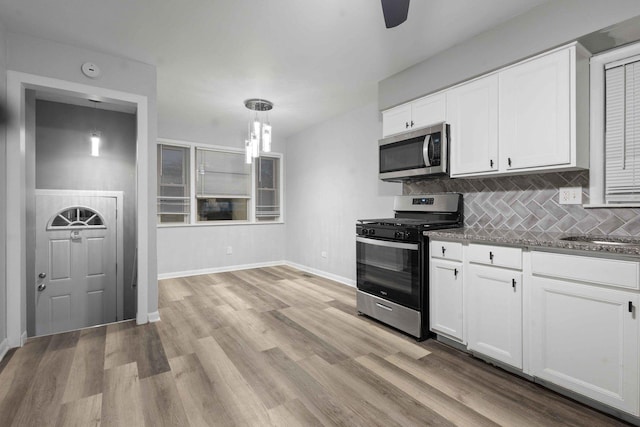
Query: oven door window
column 390, row 270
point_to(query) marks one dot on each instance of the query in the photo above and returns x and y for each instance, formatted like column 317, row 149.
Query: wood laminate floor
column 270, row 346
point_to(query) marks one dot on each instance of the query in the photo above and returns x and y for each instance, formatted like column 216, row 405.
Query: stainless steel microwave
column 422, row 153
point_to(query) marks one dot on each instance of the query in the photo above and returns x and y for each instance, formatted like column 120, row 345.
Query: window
column 224, row 188
column 267, row 188
column 615, row 128
column 622, row 132
column 173, row 184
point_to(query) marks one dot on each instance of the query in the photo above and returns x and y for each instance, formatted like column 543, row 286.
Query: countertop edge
column 531, row 239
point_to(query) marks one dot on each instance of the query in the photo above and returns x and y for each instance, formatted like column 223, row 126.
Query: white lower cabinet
column 576, row 324
column 585, row 339
column 445, row 296
column 494, row 313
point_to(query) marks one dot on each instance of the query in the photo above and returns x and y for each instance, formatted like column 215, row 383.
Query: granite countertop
column 540, row 239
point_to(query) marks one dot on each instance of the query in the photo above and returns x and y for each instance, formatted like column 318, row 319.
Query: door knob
column 42, row 287
column 42, row 275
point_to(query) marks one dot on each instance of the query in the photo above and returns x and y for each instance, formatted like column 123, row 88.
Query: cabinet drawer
column 601, row 271
column 499, row 256
column 446, row 250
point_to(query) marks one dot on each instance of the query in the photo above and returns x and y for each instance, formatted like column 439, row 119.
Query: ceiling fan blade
column 395, row 12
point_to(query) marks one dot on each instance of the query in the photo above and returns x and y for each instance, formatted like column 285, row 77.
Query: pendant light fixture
column 259, row 128
column 95, row 134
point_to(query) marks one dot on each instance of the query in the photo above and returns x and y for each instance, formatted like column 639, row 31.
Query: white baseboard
column 154, row 317
column 4, row 347
column 213, row 270
column 23, row 338
column 326, row 275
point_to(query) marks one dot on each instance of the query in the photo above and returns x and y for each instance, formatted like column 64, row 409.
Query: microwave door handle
column 427, row 150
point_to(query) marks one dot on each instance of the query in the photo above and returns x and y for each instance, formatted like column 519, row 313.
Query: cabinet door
column 445, row 299
column 535, row 117
column 495, row 313
column 396, row 120
column 585, row 339
column 472, row 112
column 428, row 111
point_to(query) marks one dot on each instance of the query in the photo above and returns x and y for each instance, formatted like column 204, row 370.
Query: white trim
column 23, row 338
column 326, row 275
column 216, row 224
column 119, row 196
column 154, row 317
column 17, row 82
column 212, row 270
column 4, row 347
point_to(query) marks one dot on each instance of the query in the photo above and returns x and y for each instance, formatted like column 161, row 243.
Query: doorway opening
column 81, row 232
column 21, row 183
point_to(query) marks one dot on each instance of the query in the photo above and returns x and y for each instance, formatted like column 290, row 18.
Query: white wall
column 60, row 61
column 202, row 249
column 332, row 180
column 3, row 186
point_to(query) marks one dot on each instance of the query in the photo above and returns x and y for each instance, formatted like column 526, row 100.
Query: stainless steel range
column 392, row 260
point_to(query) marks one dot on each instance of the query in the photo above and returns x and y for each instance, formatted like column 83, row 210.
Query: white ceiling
column 312, row 59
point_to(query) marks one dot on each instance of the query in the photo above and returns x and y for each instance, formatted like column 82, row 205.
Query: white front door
column 75, row 262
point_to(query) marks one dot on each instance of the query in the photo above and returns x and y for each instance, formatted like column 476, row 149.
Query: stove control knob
column 372, row 232
column 400, row 235
column 364, row 231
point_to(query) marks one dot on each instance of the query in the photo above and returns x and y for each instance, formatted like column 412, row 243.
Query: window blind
column 622, row 133
column 221, row 173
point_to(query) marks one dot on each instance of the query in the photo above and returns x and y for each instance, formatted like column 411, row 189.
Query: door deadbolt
column 42, row 275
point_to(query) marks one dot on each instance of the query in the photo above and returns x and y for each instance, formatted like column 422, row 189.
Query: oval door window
column 76, row 217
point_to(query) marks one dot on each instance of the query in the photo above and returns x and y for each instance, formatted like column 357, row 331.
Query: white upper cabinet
column 536, row 121
column 528, row 117
column 413, row 115
column 396, row 120
column 428, row 110
column 472, row 112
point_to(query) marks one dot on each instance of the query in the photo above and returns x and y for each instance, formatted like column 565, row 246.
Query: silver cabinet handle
column 42, row 275
column 42, row 287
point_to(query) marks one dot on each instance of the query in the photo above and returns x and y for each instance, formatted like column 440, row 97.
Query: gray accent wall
column 531, row 202
column 548, row 25
column 63, row 161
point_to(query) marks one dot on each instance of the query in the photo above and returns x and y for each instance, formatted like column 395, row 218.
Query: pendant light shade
column 95, row 134
column 259, row 128
column 95, row 144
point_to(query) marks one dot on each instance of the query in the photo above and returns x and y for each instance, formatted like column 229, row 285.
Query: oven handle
column 387, row 244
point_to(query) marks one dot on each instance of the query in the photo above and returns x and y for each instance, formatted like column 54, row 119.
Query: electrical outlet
column 323, row 254
column 229, row 250
column 570, row 196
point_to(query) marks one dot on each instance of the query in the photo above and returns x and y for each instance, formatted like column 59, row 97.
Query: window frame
column 598, row 63
column 189, row 161
column 193, row 199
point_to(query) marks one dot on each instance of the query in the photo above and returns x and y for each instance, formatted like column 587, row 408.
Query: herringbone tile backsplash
column 530, row 202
